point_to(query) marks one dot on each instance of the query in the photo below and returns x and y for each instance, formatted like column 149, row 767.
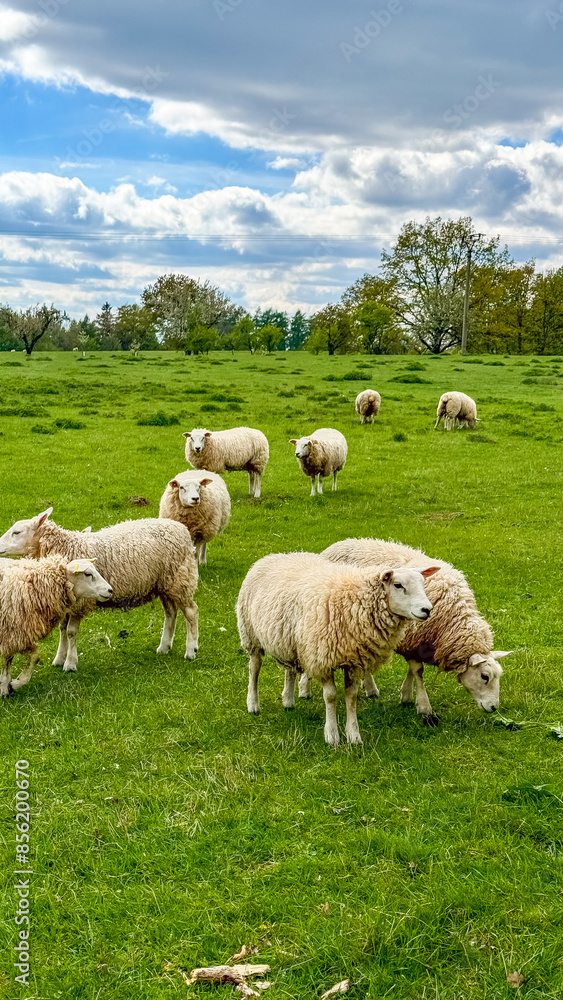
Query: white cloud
column 287, row 163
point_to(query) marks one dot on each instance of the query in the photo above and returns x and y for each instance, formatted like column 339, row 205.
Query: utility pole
column 473, row 240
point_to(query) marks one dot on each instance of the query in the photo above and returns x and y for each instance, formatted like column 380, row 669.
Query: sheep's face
column 405, row 592
column 86, row 582
column 482, row 679
column 197, row 439
column 302, row 446
column 189, row 494
column 18, row 540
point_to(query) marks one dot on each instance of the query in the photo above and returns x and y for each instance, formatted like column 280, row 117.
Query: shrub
column 158, row 419
column 209, row 407
column 42, row 429
column 67, row 424
column 411, row 379
column 400, row 436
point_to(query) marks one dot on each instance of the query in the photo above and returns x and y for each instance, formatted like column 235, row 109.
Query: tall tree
column 244, row 335
column 181, row 305
column 299, row 330
column 375, row 329
column 546, row 313
column 272, row 317
column 331, row 330
column 29, row 325
column 105, row 326
column 137, row 324
column 270, row 336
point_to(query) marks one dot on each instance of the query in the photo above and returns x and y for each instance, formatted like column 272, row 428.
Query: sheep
column 457, row 410
column 322, row 453
column 142, row 560
column 229, row 451
column 457, row 639
column 200, row 500
column 315, row 617
column 367, row 405
column 35, row 594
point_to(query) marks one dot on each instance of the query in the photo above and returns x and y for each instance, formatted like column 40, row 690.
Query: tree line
column 414, row 304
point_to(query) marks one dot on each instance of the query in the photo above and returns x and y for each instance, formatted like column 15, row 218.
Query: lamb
column 142, row 560
column 35, row 594
column 229, row 451
column 200, row 500
column 457, row 639
column 367, row 405
column 322, row 453
column 457, row 410
column 315, row 617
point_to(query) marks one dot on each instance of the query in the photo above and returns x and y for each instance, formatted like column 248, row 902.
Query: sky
column 272, row 148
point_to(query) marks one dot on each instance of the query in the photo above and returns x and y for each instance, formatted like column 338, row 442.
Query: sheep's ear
column 186, row 434
column 205, row 482
column 293, row 440
column 86, row 531
column 387, row 576
column 174, row 483
column 208, row 434
column 429, row 571
column 475, row 659
column 41, row 518
column 499, row 653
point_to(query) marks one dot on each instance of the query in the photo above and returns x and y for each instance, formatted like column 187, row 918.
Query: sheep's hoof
column 253, row 707
column 69, row 667
column 8, row 692
column 431, row 720
column 190, row 654
column 163, row 649
column 354, row 739
column 58, row 661
column 332, row 739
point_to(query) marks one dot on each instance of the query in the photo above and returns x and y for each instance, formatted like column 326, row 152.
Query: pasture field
column 169, row 827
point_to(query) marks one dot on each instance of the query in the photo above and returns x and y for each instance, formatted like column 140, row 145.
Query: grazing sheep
column 367, row 405
column 35, row 594
column 229, row 451
column 322, row 453
column 314, row 617
column 457, row 410
column 456, row 639
column 142, row 560
column 200, row 500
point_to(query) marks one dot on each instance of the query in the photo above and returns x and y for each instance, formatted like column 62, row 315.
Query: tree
column 331, row 331
column 181, row 305
column 8, row 339
column 546, row 313
column 243, row 335
column 270, row 336
column 375, row 329
column 67, row 338
column 105, row 327
column 271, row 317
column 427, row 268
column 136, row 323
column 29, row 325
column 299, row 330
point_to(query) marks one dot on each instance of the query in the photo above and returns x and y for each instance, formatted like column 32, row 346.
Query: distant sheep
column 240, row 448
column 35, row 594
column 200, row 500
column 457, row 410
column 367, row 405
column 315, row 617
column 321, row 453
column 456, row 639
column 142, row 560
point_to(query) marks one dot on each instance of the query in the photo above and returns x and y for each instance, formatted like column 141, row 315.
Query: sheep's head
column 197, row 439
column 189, row 493
column 405, row 591
column 18, row 540
column 86, row 582
column 481, row 676
column 302, row 446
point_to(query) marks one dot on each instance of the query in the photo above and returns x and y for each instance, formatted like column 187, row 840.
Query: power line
column 135, row 237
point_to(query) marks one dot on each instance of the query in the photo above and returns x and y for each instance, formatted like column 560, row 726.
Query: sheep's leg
column 201, row 552
column 313, row 486
column 334, row 478
column 257, row 484
column 351, row 685
column 169, row 627
column 331, row 726
column 61, row 654
column 370, row 687
column 304, row 686
column 423, row 706
column 251, row 483
column 254, row 664
column 72, row 628
column 25, row 676
column 191, row 614
column 407, row 686
column 362, row 418
column 436, row 425
column 6, row 678
column 319, row 483
column 288, row 693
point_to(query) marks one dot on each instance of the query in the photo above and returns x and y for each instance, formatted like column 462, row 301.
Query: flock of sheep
column 348, row 608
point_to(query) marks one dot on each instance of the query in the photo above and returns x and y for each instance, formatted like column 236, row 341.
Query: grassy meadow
column 169, row 827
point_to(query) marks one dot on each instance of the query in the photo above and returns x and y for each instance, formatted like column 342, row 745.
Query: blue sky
column 281, row 146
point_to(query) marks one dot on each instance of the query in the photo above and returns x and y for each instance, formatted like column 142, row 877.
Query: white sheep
column 321, row 453
column 367, row 405
column 35, row 594
column 199, row 500
column 456, row 639
column 315, row 617
column 142, row 560
column 234, row 450
column 457, row 410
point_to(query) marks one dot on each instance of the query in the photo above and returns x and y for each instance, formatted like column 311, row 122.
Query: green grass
column 170, row 827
